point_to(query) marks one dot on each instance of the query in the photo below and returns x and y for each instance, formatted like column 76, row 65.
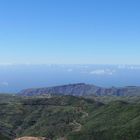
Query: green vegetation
column 108, row 99
column 115, row 121
column 2, row 137
column 71, row 117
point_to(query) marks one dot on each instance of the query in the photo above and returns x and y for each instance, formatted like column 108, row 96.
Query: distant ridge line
column 82, row 89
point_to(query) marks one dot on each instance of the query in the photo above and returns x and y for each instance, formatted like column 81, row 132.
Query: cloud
column 6, row 64
column 4, row 84
column 129, row 67
column 121, row 66
column 134, row 67
column 69, row 70
column 102, row 72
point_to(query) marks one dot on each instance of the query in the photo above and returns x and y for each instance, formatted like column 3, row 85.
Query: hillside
column 70, row 118
column 5, row 132
column 50, row 118
column 115, row 121
column 3, row 137
column 82, row 89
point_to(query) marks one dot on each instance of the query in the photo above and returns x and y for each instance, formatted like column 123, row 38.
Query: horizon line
column 12, row 64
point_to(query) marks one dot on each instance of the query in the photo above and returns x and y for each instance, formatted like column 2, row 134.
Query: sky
column 69, row 32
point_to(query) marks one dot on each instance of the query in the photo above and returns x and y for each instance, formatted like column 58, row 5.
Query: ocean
column 14, row 78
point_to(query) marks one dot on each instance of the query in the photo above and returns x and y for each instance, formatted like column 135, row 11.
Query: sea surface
column 14, row 78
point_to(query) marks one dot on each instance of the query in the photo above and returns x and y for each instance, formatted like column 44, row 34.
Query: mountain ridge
column 82, row 89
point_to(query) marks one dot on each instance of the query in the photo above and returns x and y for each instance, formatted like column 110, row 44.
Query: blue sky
column 70, row 31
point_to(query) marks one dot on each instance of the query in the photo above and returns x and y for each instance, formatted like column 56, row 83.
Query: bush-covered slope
column 115, row 121
column 71, row 118
column 53, row 117
column 5, row 132
column 3, row 137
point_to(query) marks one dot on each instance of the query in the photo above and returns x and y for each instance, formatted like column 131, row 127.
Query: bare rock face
column 32, row 138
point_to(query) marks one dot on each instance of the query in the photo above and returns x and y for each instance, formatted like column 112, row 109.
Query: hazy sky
column 70, row 31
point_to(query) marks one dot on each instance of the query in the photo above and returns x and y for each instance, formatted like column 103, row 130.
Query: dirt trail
column 85, row 114
column 78, row 126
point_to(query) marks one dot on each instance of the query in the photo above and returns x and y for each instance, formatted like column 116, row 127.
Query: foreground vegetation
column 69, row 117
